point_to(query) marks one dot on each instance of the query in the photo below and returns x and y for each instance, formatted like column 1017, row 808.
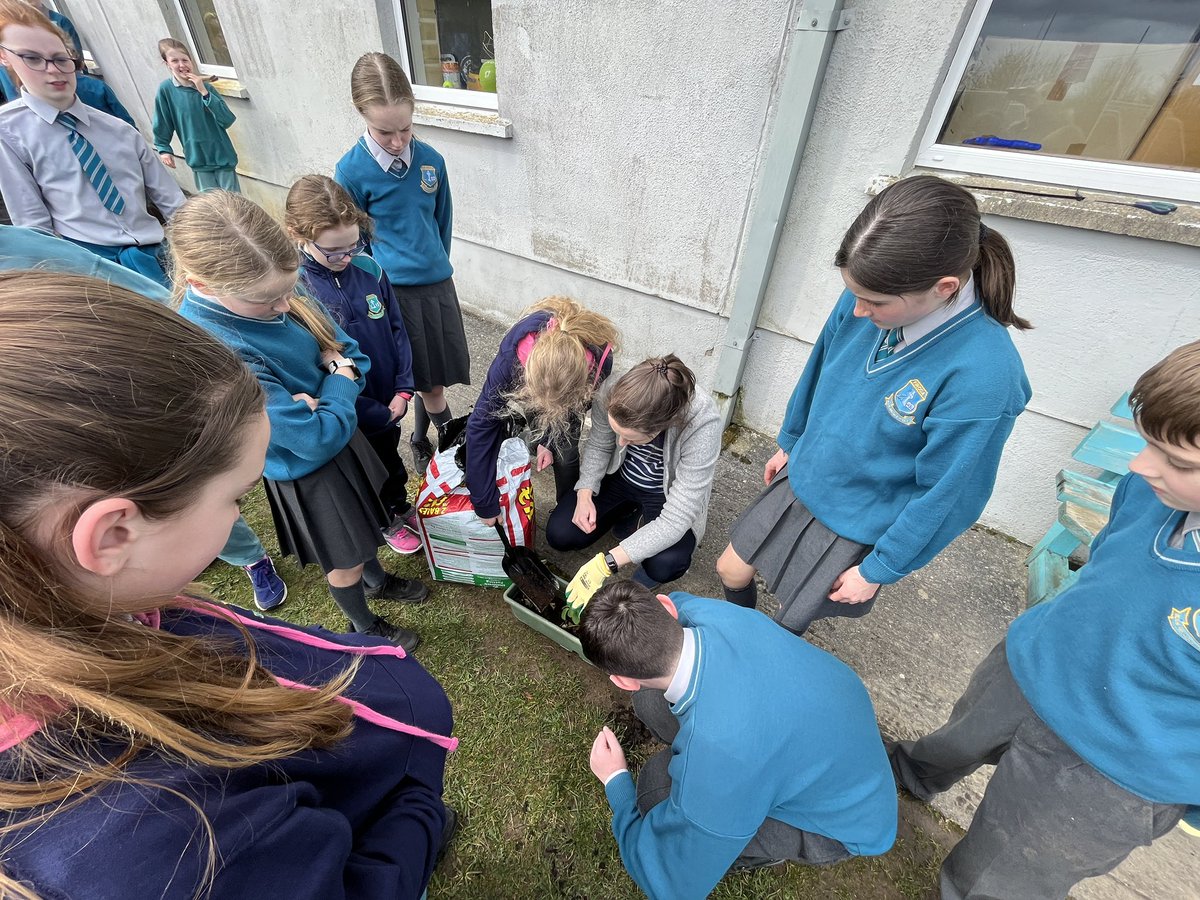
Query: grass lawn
column 535, row 823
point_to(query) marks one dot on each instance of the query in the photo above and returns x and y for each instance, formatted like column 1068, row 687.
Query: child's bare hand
column 168, row 160
column 851, row 587
column 307, row 398
column 774, row 464
column 398, row 407
column 607, row 755
column 544, row 458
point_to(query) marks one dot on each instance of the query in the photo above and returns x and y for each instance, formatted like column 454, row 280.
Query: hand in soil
column 607, row 755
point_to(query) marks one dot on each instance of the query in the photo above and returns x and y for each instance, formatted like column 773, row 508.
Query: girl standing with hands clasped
column 543, row 377
column 401, row 183
column 153, row 742
column 332, row 234
column 236, row 272
column 893, row 436
column 649, row 460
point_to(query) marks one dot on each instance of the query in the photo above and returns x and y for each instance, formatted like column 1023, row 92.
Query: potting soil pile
column 458, row 546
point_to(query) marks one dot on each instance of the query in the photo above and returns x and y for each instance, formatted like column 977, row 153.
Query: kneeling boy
column 775, row 754
column 1090, row 706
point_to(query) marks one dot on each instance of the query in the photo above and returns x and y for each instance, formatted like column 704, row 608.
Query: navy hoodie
column 362, row 819
column 488, row 425
column 360, row 299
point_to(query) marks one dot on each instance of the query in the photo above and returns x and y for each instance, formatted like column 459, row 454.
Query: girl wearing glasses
column 236, row 272
column 401, row 183
column 69, row 168
column 330, row 229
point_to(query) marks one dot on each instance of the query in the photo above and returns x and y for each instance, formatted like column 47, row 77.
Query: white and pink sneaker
column 401, row 535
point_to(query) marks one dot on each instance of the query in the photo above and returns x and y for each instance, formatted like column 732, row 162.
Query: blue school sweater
column 769, row 726
column 201, row 123
column 413, row 212
column 1112, row 664
column 363, row 819
column 92, row 91
column 287, row 360
column 360, row 300
column 902, row 454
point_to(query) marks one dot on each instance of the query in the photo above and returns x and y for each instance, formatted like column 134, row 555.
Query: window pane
column 449, row 42
column 206, row 32
column 1088, row 78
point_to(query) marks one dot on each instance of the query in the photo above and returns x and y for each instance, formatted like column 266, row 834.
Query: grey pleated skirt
column 797, row 556
column 435, row 330
column 332, row 517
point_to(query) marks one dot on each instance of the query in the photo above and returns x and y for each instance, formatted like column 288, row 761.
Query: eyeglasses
column 38, row 63
column 336, row 255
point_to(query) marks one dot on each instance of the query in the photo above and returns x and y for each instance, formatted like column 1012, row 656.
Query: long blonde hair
column 378, row 80
column 144, row 405
column 559, row 377
column 229, row 243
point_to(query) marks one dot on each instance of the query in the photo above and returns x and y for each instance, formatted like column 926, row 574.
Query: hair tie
column 660, row 368
column 983, row 232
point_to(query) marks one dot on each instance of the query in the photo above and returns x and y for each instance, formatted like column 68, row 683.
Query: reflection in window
column 450, row 43
column 1084, row 78
column 205, row 29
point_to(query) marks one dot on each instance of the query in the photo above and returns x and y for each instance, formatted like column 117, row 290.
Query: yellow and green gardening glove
column 589, row 579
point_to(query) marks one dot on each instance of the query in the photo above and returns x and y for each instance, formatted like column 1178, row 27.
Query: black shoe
column 449, row 830
column 422, row 452
column 406, row 590
column 403, row 638
column 750, row 863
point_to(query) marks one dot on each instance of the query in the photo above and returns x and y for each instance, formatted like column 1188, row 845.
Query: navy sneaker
column 269, row 589
column 406, row 590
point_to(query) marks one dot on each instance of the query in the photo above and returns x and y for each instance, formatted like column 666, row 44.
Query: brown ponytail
column 921, row 230
column 653, row 396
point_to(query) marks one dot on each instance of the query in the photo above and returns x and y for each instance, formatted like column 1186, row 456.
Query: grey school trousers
column 775, row 840
column 1047, row 819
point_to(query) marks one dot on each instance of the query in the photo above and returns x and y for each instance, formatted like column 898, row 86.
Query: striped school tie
column 93, row 166
column 888, row 346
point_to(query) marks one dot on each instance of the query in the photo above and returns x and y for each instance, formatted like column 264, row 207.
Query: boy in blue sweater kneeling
column 1090, row 706
column 775, row 754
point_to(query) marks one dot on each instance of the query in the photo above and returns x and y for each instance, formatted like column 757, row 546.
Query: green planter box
column 527, row 616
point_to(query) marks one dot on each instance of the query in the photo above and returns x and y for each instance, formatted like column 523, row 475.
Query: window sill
column 229, row 87
column 1179, row 227
column 459, row 119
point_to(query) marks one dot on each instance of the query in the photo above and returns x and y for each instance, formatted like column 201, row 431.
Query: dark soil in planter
column 555, row 616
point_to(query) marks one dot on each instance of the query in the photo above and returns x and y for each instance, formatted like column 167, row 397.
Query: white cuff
column 613, row 775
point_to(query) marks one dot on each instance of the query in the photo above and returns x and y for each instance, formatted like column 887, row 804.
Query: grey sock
column 353, row 602
column 441, row 418
column 420, row 427
column 744, row 596
column 373, row 575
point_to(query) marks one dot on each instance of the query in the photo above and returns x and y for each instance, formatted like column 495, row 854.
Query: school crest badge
column 374, row 307
column 429, row 179
column 1184, row 623
column 902, row 404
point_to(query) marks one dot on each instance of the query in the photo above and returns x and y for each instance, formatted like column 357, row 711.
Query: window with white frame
column 206, row 37
column 1087, row 93
column 447, row 49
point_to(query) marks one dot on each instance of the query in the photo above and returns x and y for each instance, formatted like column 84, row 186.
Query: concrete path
column 917, row 648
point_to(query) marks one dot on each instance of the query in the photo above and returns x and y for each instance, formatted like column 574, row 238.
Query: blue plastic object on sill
column 990, row 140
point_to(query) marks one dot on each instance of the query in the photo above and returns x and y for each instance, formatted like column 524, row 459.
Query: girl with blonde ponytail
column 236, row 272
column 152, row 742
column 647, row 475
column 543, row 377
column 891, row 441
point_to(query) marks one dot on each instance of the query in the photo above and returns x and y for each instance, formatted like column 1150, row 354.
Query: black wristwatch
column 342, row 362
column 611, row 563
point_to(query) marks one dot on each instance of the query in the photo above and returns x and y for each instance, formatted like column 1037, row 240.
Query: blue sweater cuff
column 874, row 571
column 340, row 387
column 621, row 792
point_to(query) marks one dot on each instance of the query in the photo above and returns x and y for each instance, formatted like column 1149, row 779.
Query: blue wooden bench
column 1083, row 502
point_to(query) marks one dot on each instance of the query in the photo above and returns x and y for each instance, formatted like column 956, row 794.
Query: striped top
column 643, row 465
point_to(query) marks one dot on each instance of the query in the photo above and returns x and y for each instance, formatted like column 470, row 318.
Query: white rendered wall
column 638, row 130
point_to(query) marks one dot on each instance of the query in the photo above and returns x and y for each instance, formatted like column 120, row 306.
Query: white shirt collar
column 381, row 156
column 940, row 316
column 683, row 671
column 48, row 113
column 1190, row 522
